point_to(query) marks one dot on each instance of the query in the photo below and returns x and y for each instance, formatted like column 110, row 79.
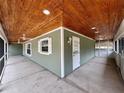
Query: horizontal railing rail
column 2, row 57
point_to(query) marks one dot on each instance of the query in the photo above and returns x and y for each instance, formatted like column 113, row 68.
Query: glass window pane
column 28, row 51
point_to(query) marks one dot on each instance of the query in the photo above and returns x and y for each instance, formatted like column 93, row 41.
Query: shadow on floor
column 99, row 75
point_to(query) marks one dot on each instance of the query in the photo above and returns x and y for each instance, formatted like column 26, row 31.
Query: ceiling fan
column 23, row 38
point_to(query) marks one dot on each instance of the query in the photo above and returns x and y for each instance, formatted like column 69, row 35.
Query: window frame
column 49, row 46
column 121, row 45
column 26, row 47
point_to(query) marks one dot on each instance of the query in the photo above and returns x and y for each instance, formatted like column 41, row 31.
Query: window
column 45, row 46
column 121, row 45
column 28, row 49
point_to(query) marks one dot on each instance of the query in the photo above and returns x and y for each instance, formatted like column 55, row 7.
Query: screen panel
column 1, row 65
column 1, row 47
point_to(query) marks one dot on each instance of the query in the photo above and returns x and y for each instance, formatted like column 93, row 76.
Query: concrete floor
column 98, row 76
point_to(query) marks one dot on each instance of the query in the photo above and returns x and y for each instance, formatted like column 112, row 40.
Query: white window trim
column 49, row 46
column 26, row 49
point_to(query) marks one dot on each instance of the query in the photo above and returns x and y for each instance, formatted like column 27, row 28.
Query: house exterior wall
column 119, row 57
column 122, row 66
column 60, row 61
column 87, row 50
column 52, row 61
column 15, row 49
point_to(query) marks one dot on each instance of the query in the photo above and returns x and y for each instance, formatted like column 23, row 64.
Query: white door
column 76, row 52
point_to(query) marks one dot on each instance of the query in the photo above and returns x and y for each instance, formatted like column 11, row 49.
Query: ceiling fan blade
column 24, row 37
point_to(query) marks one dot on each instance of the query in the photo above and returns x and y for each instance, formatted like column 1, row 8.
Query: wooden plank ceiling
column 26, row 17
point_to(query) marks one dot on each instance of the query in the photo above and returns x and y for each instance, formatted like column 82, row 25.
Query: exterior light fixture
column 46, row 12
column 69, row 40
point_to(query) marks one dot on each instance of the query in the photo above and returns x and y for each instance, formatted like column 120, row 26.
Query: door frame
column 74, row 68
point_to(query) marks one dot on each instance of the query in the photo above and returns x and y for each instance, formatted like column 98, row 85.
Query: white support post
column 62, row 52
column 117, row 46
column 99, row 49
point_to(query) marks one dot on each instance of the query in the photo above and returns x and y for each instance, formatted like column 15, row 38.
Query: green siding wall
column 52, row 61
column 86, row 49
column 15, row 49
